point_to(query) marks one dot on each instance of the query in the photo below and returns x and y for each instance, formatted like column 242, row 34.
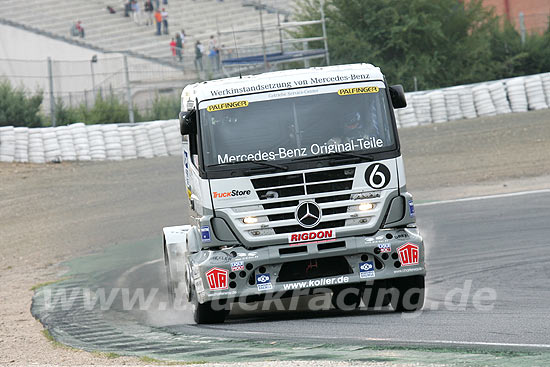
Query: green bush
column 164, row 108
column 106, row 110
column 17, row 109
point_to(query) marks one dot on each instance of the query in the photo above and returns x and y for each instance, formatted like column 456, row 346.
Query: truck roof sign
column 287, row 79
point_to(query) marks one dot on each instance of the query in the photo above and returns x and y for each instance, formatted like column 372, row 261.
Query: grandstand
column 113, row 32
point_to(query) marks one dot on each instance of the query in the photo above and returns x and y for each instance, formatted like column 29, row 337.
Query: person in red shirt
column 173, row 48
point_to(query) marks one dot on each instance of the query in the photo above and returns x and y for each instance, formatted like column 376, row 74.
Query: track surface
column 497, row 243
column 500, row 244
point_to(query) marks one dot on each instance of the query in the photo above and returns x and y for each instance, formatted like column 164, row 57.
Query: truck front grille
column 331, row 188
column 304, row 183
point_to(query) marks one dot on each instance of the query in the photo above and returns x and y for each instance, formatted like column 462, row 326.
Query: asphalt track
column 488, row 262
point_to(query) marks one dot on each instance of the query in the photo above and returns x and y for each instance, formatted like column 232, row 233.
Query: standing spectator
column 179, row 47
column 182, row 35
column 213, row 54
column 157, row 4
column 77, row 29
column 137, row 12
column 158, row 19
column 173, row 49
column 199, row 50
column 74, row 30
column 127, row 8
column 164, row 14
column 149, row 11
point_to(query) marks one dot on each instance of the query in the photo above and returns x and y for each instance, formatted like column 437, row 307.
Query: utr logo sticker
column 359, row 90
column 226, row 106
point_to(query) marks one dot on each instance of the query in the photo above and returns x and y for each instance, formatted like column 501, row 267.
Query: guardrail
column 161, row 138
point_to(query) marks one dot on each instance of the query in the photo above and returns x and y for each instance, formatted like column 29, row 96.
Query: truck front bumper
column 239, row 272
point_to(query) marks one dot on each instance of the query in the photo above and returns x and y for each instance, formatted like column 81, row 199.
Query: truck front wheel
column 347, row 298
column 208, row 312
column 410, row 293
column 170, row 283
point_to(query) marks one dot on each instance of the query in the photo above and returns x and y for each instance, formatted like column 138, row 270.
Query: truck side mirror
column 188, row 122
column 398, row 96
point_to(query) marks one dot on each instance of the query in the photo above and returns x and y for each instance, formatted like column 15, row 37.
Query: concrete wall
column 23, row 61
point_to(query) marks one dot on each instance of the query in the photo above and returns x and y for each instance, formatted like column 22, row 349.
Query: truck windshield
column 294, row 124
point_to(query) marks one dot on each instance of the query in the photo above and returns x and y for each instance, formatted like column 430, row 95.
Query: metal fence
column 80, row 82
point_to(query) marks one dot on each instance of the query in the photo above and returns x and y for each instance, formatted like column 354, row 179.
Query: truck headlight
column 366, row 206
column 250, row 220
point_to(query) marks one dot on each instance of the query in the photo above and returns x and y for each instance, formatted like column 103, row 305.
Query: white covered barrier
column 113, row 146
column 127, row 142
column 7, row 144
column 172, row 136
column 143, row 144
column 407, row 115
column 482, row 101
column 535, row 93
column 545, row 78
column 97, row 142
column 36, row 146
column 422, row 108
column 21, row 144
column 437, row 105
column 156, row 137
column 66, row 144
column 80, row 141
column 467, row 105
column 498, row 96
column 515, row 89
column 452, row 103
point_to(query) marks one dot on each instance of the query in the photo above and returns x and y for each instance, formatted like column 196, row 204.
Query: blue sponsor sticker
column 411, row 208
column 366, row 270
column 205, row 234
column 263, row 281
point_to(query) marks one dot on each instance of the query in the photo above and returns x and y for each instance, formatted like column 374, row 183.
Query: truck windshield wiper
column 269, row 164
column 336, row 155
column 261, row 163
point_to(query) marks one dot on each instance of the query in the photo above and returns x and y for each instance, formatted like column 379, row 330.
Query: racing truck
column 295, row 183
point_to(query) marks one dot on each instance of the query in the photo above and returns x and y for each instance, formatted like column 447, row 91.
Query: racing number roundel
column 377, row 176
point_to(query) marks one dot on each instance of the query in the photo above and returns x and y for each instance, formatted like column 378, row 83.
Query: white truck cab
column 296, row 181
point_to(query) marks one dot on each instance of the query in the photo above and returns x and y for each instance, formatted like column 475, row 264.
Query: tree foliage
column 441, row 43
column 18, row 109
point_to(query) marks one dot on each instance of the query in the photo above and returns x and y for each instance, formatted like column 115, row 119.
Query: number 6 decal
column 377, row 176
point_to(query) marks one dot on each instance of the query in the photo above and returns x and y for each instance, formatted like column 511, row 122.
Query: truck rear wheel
column 410, row 293
column 207, row 313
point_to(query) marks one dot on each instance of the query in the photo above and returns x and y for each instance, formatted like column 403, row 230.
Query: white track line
column 476, row 198
column 122, row 278
column 405, row 341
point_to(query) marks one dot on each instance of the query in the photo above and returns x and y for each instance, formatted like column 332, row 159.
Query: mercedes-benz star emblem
column 308, row 214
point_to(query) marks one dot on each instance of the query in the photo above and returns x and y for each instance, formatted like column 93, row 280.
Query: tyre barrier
column 517, row 94
column 80, row 142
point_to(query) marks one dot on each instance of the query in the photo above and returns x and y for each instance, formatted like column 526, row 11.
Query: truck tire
column 171, row 285
column 204, row 313
column 376, row 295
column 346, row 298
column 410, row 295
